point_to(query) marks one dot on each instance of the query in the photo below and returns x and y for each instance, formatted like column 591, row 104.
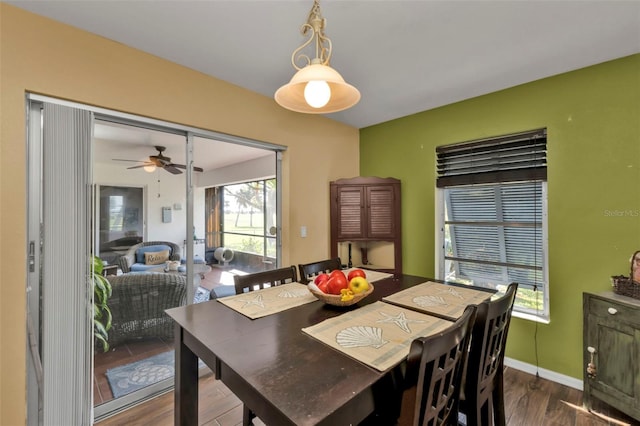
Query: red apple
column 336, row 272
column 356, row 273
column 337, row 283
column 323, row 286
column 321, row 278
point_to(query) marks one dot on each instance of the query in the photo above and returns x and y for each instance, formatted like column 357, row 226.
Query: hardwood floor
column 529, row 401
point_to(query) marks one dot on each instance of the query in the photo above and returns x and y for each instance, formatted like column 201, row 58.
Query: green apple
column 358, row 285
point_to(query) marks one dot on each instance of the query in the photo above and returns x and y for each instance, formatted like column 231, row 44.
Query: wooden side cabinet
column 366, row 209
column 612, row 351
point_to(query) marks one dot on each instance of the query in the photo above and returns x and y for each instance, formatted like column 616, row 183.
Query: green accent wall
column 592, row 116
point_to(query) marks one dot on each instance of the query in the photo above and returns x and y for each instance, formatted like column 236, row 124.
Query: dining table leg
column 186, row 382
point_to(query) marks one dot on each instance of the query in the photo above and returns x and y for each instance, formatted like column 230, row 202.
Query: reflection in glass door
column 121, row 221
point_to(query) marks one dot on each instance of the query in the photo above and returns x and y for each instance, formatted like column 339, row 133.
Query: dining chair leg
column 479, row 414
column 498, row 403
column 247, row 415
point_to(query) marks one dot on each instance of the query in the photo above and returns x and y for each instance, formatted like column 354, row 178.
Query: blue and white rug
column 137, row 375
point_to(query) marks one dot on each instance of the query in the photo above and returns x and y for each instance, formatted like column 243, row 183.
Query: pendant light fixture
column 316, row 88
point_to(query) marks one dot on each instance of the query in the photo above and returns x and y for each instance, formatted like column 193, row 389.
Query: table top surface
column 305, row 380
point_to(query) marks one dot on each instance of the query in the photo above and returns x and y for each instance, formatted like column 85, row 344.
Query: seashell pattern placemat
column 443, row 300
column 270, row 300
column 378, row 335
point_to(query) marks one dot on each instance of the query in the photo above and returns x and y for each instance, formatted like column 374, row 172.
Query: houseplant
column 101, row 311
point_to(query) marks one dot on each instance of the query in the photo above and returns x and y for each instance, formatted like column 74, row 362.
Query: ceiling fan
column 161, row 162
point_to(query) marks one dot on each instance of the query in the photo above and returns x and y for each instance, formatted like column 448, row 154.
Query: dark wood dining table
column 282, row 374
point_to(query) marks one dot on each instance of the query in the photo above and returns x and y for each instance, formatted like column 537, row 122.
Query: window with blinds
column 494, row 209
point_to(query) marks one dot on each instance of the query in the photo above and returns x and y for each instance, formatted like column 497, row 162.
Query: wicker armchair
column 138, row 303
column 129, row 258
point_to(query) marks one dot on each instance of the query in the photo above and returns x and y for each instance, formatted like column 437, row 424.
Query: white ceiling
column 116, row 142
column 403, row 56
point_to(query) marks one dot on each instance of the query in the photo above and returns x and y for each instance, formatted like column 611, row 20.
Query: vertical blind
column 67, row 318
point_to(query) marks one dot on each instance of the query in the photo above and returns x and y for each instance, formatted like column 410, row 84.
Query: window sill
column 531, row 317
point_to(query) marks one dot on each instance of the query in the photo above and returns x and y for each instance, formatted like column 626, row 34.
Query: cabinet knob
column 612, row 311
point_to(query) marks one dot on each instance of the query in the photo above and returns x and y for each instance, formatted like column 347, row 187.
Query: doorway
column 87, row 163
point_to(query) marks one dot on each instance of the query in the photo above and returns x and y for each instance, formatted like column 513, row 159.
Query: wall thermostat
column 166, row 214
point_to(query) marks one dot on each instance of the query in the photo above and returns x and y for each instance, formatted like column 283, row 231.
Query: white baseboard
column 544, row 373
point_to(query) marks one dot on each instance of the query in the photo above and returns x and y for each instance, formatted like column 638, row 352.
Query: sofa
column 138, row 302
column 134, row 259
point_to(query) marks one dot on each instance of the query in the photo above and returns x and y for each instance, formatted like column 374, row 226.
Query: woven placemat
column 378, row 335
column 372, row 276
column 443, row 300
column 270, row 300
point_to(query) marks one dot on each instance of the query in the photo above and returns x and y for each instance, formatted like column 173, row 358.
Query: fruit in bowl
column 321, row 282
column 337, row 282
column 358, row 284
column 340, row 291
column 356, row 273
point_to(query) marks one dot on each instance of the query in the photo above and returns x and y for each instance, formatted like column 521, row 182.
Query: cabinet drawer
column 610, row 309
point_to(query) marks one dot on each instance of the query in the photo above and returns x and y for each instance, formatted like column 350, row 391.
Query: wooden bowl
column 334, row 299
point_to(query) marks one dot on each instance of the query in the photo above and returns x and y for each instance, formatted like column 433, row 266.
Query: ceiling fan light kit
column 161, row 162
column 316, row 88
column 149, row 168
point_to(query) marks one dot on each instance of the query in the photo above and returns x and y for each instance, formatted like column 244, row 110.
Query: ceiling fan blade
column 133, row 161
column 182, row 166
column 172, row 169
column 137, row 167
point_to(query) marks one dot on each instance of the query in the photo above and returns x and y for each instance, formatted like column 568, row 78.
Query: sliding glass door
column 75, row 150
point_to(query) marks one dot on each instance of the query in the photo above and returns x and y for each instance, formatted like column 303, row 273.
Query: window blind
column 494, row 214
column 508, row 158
column 496, row 233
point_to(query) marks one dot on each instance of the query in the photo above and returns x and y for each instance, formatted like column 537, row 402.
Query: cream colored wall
column 42, row 56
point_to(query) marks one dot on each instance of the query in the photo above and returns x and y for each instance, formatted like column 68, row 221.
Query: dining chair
column 482, row 401
column 256, row 281
column 270, row 278
column 310, row 270
column 434, row 374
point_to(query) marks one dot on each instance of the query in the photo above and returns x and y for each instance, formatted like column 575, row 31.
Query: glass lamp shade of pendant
column 292, row 95
column 150, row 168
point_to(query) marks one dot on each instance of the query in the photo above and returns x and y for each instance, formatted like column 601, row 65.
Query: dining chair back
column 433, row 379
column 310, row 270
column 483, row 399
column 262, row 279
